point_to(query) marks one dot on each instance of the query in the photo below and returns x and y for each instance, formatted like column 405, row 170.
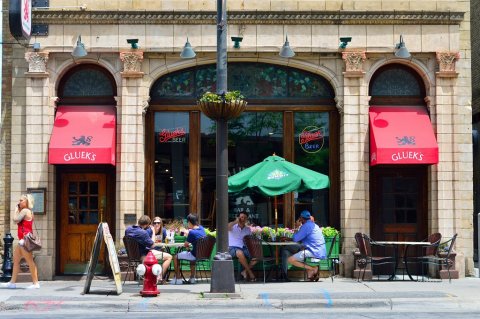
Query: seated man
column 142, row 233
column 194, row 233
column 238, row 229
column 313, row 245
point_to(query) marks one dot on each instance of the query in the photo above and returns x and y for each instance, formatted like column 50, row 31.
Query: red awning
column 83, row 135
column 401, row 135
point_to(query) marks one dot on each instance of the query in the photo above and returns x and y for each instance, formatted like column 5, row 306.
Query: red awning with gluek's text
column 401, row 135
column 83, row 135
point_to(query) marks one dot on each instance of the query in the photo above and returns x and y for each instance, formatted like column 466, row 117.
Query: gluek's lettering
column 407, row 155
column 79, row 155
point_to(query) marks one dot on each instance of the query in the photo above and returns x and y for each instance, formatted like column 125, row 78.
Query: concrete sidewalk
column 343, row 293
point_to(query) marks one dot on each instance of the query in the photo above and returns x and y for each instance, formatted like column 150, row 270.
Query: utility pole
column 222, row 266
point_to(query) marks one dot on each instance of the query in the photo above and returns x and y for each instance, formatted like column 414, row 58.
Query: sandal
column 314, row 277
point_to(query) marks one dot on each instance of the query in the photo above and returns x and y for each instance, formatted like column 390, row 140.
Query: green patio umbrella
column 277, row 176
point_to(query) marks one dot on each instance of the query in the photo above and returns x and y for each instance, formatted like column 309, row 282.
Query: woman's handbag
column 31, row 242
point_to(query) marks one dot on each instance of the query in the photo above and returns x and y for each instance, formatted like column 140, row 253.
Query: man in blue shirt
column 194, row 233
column 142, row 234
column 312, row 245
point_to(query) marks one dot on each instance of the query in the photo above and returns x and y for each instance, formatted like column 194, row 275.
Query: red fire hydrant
column 150, row 270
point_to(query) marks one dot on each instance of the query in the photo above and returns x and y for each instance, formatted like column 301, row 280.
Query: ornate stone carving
column 446, row 61
column 145, row 105
column 132, row 63
column 251, row 17
column 354, row 62
column 37, row 61
column 339, row 104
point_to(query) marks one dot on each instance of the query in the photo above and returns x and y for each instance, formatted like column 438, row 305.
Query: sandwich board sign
column 103, row 235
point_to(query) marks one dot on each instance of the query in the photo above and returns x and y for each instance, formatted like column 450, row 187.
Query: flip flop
column 244, row 275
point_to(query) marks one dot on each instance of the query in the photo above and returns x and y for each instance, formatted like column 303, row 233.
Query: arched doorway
column 282, row 104
column 398, row 189
column 84, row 166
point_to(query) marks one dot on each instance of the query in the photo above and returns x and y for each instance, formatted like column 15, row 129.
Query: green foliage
column 214, row 97
column 211, row 233
column 329, row 231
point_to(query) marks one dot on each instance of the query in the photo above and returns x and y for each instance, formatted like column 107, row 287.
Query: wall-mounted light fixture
column 344, row 42
column 236, row 42
column 133, row 43
column 36, row 47
column 187, row 52
column 79, row 51
column 286, row 51
column 402, row 51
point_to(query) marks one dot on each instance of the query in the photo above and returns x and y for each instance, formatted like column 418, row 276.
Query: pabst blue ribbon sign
column 311, row 139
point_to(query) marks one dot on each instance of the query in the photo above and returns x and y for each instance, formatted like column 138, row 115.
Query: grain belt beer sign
column 20, row 18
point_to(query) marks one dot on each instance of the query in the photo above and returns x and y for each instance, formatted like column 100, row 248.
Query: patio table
column 406, row 244
column 280, row 275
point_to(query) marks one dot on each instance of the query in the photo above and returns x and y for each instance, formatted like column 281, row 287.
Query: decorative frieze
column 37, row 63
column 446, row 63
column 132, row 63
column 354, row 63
column 250, row 17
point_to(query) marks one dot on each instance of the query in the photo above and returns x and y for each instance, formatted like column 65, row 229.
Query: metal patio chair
column 366, row 257
column 255, row 249
column 134, row 257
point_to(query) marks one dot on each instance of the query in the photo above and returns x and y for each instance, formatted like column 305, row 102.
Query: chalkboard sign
column 103, row 234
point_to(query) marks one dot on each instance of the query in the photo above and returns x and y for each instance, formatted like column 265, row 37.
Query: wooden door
column 82, row 207
column 399, row 203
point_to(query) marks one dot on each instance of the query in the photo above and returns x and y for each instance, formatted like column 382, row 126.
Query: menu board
column 103, row 235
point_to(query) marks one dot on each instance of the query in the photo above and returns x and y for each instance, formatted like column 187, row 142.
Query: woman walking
column 24, row 219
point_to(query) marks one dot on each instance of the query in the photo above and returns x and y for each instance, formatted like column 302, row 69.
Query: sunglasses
column 156, row 223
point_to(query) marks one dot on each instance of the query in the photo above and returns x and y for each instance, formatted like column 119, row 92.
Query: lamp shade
column 79, row 50
column 187, row 52
column 402, row 51
column 286, row 51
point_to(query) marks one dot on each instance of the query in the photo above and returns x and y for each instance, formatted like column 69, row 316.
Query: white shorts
column 186, row 255
column 302, row 255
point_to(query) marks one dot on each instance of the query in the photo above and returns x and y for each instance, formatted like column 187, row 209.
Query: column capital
column 37, row 64
column 446, row 63
column 354, row 63
column 132, row 64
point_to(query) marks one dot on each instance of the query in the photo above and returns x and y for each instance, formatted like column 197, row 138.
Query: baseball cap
column 305, row 214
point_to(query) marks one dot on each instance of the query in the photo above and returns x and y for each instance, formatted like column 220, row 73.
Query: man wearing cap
column 312, row 245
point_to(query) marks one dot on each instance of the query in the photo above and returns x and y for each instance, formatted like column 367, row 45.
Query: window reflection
column 171, row 164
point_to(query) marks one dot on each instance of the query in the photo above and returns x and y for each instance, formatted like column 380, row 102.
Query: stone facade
column 437, row 33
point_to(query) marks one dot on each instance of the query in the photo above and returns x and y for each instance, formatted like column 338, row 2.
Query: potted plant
column 222, row 106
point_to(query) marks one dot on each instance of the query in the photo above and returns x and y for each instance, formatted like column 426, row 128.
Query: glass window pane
column 83, row 217
column 251, row 138
column 93, row 188
column 83, row 202
column 312, row 150
column 93, row 202
column 171, row 164
column 83, row 188
column 93, row 217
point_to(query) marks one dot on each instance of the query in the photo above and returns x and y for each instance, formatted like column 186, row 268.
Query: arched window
column 259, row 83
column 87, row 84
column 395, row 84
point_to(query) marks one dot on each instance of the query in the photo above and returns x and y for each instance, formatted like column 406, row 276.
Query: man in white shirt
column 238, row 229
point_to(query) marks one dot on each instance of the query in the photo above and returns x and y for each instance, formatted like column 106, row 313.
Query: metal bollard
column 7, row 258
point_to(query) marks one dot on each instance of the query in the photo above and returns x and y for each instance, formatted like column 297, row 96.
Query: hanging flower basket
column 222, row 107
